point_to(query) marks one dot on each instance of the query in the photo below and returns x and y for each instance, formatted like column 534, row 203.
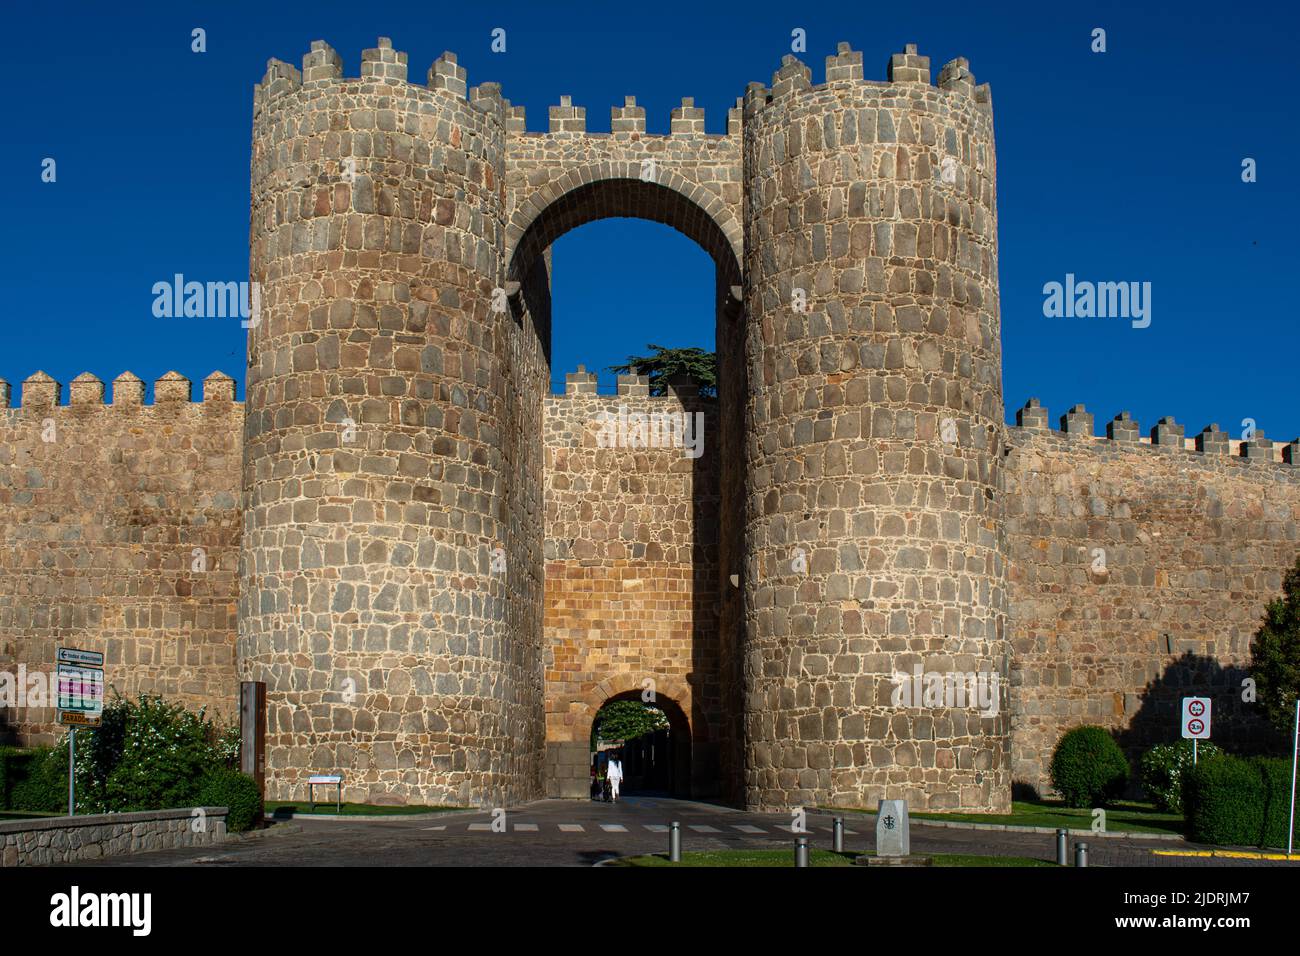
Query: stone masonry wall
column 94, row 836
column 1139, row 571
column 102, row 508
column 631, row 572
column 875, row 427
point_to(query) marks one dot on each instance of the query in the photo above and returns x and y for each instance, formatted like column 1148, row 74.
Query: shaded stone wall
column 631, row 575
column 875, row 431
column 119, row 533
column 1139, row 572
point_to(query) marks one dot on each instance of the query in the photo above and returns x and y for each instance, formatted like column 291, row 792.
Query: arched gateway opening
column 642, row 533
column 657, row 763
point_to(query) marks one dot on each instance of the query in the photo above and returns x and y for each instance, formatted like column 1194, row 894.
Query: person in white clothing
column 614, row 773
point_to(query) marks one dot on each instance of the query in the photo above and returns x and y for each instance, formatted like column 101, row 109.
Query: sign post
column 1196, row 721
column 1295, row 750
column 80, row 703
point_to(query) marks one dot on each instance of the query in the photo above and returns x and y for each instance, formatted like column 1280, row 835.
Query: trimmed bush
column 237, row 791
column 15, row 766
column 1224, row 802
column 1276, row 774
column 1163, row 769
column 1088, row 768
column 44, row 786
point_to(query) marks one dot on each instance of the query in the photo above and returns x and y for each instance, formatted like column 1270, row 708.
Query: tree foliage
column 698, row 365
column 627, row 720
column 1275, row 656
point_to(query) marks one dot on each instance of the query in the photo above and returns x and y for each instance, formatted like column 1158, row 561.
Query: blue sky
column 1117, row 166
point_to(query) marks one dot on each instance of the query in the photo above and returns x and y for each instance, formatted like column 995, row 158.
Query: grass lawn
column 291, row 808
column 1123, row 816
column 817, row 858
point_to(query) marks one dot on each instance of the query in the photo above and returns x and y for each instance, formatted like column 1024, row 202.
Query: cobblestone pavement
column 581, row 833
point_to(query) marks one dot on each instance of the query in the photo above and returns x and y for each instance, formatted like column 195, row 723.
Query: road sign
column 80, row 677
column 1196, row 718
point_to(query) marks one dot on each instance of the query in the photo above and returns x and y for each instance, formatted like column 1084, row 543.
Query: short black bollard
column 801, row 851
column 1062, row 847
column 674, row 842
column 837, row 828
column 1081, row 854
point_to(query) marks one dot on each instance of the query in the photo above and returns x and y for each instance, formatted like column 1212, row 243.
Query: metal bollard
column 1062, row 847
column 837, row 828
column 801, row 851
column 1081, row 854
column 674, row 842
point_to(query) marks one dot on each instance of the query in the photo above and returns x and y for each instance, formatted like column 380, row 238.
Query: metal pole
column 1295, row 749
column 1062, row 847
column 72, row 772
column 837, row 828
column 674, row 842
column 1081, row 854
column 801, row 851
column 1194, row 742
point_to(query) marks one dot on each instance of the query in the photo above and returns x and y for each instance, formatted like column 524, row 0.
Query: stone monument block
column 892, row 831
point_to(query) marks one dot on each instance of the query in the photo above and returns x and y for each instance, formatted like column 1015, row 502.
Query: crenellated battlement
column 86, row 390
column 904, row 73
column 383, row 66
column 1166, row 435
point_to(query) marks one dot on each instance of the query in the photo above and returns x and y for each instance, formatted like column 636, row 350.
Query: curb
column 1012, row 828
column 364, row 818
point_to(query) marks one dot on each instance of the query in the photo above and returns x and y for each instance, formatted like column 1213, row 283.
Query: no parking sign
column 1196, row 718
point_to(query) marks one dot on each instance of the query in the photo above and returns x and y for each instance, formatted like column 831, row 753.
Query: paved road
column 580, row 833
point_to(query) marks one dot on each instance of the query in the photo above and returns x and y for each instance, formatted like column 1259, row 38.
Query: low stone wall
column 49, row 840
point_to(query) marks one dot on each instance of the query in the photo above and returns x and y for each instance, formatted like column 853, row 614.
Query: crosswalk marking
column 443, row 827
column 748, row 828
column 656, row 827
column 526, row 827
column 480, row 826
column 704, row 828
column 613, row 828
column 571, row 828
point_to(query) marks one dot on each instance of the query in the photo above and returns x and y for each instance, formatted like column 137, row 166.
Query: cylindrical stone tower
column 875, row 572
column 389, row 584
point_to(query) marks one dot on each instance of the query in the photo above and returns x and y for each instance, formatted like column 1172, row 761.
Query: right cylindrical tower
column 875, row 600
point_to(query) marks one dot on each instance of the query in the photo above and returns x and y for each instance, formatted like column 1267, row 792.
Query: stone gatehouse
column 442, row 571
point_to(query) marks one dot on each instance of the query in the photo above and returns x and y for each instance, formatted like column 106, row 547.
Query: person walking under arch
column 614, row 773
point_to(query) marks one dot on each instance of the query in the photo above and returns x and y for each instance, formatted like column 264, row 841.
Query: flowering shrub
column 147, row 754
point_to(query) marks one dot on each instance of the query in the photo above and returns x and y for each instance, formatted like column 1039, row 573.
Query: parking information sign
column 81, row 687
column 1196, row 718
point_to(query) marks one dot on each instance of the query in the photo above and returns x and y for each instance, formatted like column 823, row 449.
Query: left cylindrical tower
column 375, row 597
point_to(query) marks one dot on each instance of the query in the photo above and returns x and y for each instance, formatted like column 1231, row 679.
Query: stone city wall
column 631, row 571
column 1140, row 567
column 119, row 533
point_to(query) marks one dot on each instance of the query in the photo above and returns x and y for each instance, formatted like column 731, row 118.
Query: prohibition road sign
column 1196, row 718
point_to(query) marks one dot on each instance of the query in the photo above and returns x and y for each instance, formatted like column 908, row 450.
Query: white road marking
column 480, row 826
column 525, row 827
column 704, row 828
column 747, row 828
column 443, row 827
column 613, row 828
column 571, row 828
column 656, row 827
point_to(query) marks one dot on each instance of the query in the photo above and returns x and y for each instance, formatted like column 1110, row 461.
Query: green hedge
column 43, row 784
column 235, row 790
column 1088, row 768
column 1234, row 801
column 15, row 765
